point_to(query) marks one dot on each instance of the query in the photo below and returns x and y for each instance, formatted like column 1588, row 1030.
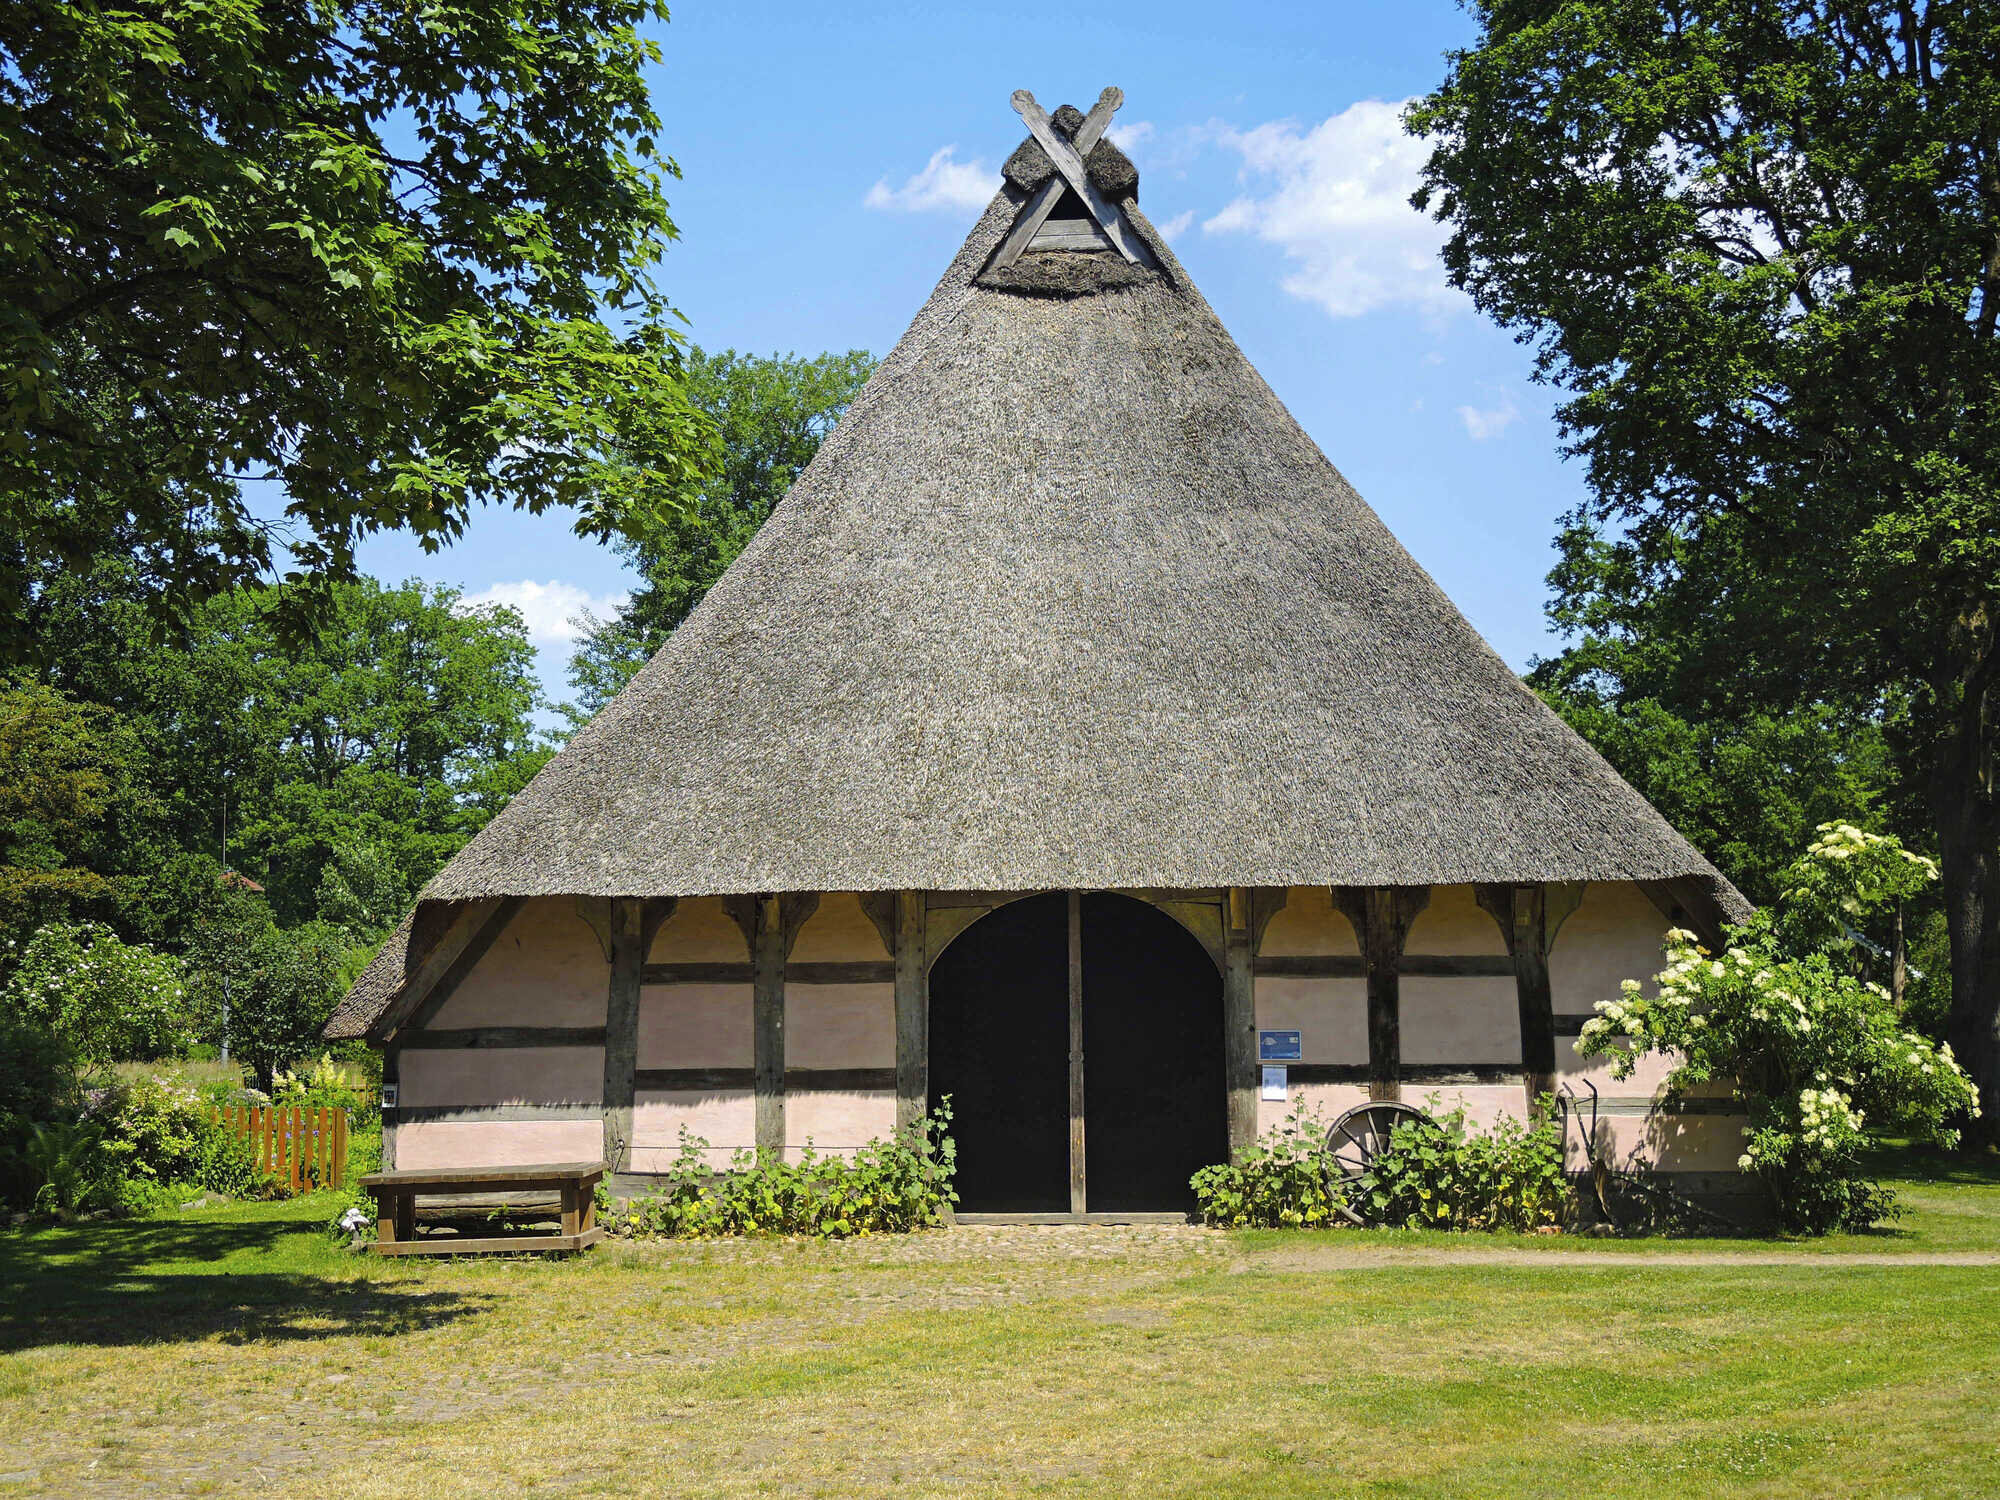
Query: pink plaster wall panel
column 1613, row 936
column 699, row 932
column 725, row 1118
column 1484, row 1104
column 1308, row 924
column 1326, row 1102
column 1671, row 1142
column 1647, row 1076
column 840, row 1026
column 1330, row 1015
column 546, row 969
column 838, row 1121
column 1454, row 923
column 502, row 1075
column 1460, row 1020
column 839, row 931
column 697, row 1026
column 426, row 1144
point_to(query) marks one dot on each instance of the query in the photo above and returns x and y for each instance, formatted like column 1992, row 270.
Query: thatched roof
column 1069, row 600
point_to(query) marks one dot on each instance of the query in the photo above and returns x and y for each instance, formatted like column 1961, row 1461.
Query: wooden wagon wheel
column 1358, row 1137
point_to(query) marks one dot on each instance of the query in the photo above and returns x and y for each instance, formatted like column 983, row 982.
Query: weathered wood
column 1070, row 234
column 435, row 962
column 1044, row 199
column 797, row 1080
column 621, row 1029
column 880, row 908
column 912, row 978
column 596, row 913
column 1069, row 165
column 516, row 1244
column 1415, row 1075
column 1239, row 1020
column 1382, row 916
column 458, row 1037
column 1523, row 915
column 1077, row 1185
column 777, row 924
column 859, row 971
column 1409, row 965
column 1686, row 901
column 533, row 1176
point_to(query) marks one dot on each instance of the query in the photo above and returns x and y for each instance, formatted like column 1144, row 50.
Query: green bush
column 154, row 1133
column 1437, row 1174
column 1279, row 1182
column 37, row 1087
column 887, row 1187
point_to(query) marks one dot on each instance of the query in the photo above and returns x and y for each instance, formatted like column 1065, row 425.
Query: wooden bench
column 395, row 1195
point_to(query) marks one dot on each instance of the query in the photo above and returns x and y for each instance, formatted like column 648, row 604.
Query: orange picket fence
column 306, row 1148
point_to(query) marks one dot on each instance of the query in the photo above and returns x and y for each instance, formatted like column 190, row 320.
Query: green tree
column 1758, row 244
column 276, row 986
column 395, row 258
column 770, row 416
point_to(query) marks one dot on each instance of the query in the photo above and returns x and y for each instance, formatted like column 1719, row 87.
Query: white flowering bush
column 1816, row 1054
column 108, row 1000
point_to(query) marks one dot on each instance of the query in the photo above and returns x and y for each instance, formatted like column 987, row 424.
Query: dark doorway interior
column 1000, row 1049
column 1154, row 1107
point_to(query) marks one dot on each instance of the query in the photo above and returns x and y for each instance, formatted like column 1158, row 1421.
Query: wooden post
column 913, row 1022
column 1528, row 916
column 1382, row 916
column 1239, row 1020
column 768, row 973
column 1077, row 1194
column 621, row 1031
column 392, row 1074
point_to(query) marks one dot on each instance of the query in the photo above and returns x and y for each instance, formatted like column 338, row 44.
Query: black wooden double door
column 1079, row 1039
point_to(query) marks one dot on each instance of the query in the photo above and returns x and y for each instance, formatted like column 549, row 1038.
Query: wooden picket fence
column 303, row 1147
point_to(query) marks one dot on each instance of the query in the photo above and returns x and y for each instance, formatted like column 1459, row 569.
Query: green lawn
column 234, row 1350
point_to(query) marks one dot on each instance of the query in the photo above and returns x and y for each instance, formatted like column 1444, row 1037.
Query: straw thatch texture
column 1069, row 600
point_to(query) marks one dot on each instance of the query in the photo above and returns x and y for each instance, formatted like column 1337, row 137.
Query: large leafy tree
column 373, row 748
column 393, row 258
column 1758, row 243
column 770, row 416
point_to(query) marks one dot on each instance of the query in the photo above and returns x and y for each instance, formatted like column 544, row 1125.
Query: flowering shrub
column 326, row 1085
column 1815, row 1053
column 1278, row 1182
column 105, row 998
column 1437, row 1174
column 886, row 1187
column 152, row 1134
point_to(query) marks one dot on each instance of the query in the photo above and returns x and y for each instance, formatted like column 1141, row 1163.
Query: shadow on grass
column 152, row 1282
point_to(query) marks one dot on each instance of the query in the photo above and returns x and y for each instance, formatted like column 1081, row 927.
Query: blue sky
column 834, row 158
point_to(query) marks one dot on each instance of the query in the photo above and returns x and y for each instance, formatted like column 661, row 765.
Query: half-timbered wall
column 694, row 1021
column 1330, row 1014
column 466, row 1103
column 840, row 1032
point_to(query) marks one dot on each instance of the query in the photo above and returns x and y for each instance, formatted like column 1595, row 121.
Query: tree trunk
column 1963, row 800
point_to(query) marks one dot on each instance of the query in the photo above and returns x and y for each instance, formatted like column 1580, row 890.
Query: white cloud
column 550, row 609
column 944, row 186
column 1125, row 137
column 1491, row 422
column 1177, row 226
column 1336, row 200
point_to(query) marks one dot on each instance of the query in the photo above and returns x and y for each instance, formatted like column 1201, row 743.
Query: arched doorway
column 1149, row 1003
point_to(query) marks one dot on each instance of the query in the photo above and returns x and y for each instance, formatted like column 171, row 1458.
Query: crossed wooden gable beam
column 1106, row 227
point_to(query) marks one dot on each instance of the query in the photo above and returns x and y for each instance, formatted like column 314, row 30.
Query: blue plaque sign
column 1278, row 1046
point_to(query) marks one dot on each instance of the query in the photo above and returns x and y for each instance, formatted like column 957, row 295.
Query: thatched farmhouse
column 1072, row 741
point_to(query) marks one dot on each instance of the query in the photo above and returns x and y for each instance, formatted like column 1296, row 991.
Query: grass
column 236, row 1350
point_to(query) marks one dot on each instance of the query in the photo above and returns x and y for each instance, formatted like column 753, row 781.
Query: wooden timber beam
column 621, row 1030
column 462, row 929
column 1529, row 917
column 1239, row 1016
column 913, row 1010
column 1382, row 916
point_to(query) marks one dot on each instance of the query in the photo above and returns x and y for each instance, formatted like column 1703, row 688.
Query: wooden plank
column 1045, row 197
column 1063, row 154
column 768, row 1022
column 481, row 944
column 420, row 978
column 1382, row 917
column 913, row 1044
column 461, row 1037
column 519, row 1244
column 1053, row 237
column 1077, row 1185
column 1239, row 1021
column 1522, row 914
column 621, row 1029
column 538, row 1174
column 1686, row 901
